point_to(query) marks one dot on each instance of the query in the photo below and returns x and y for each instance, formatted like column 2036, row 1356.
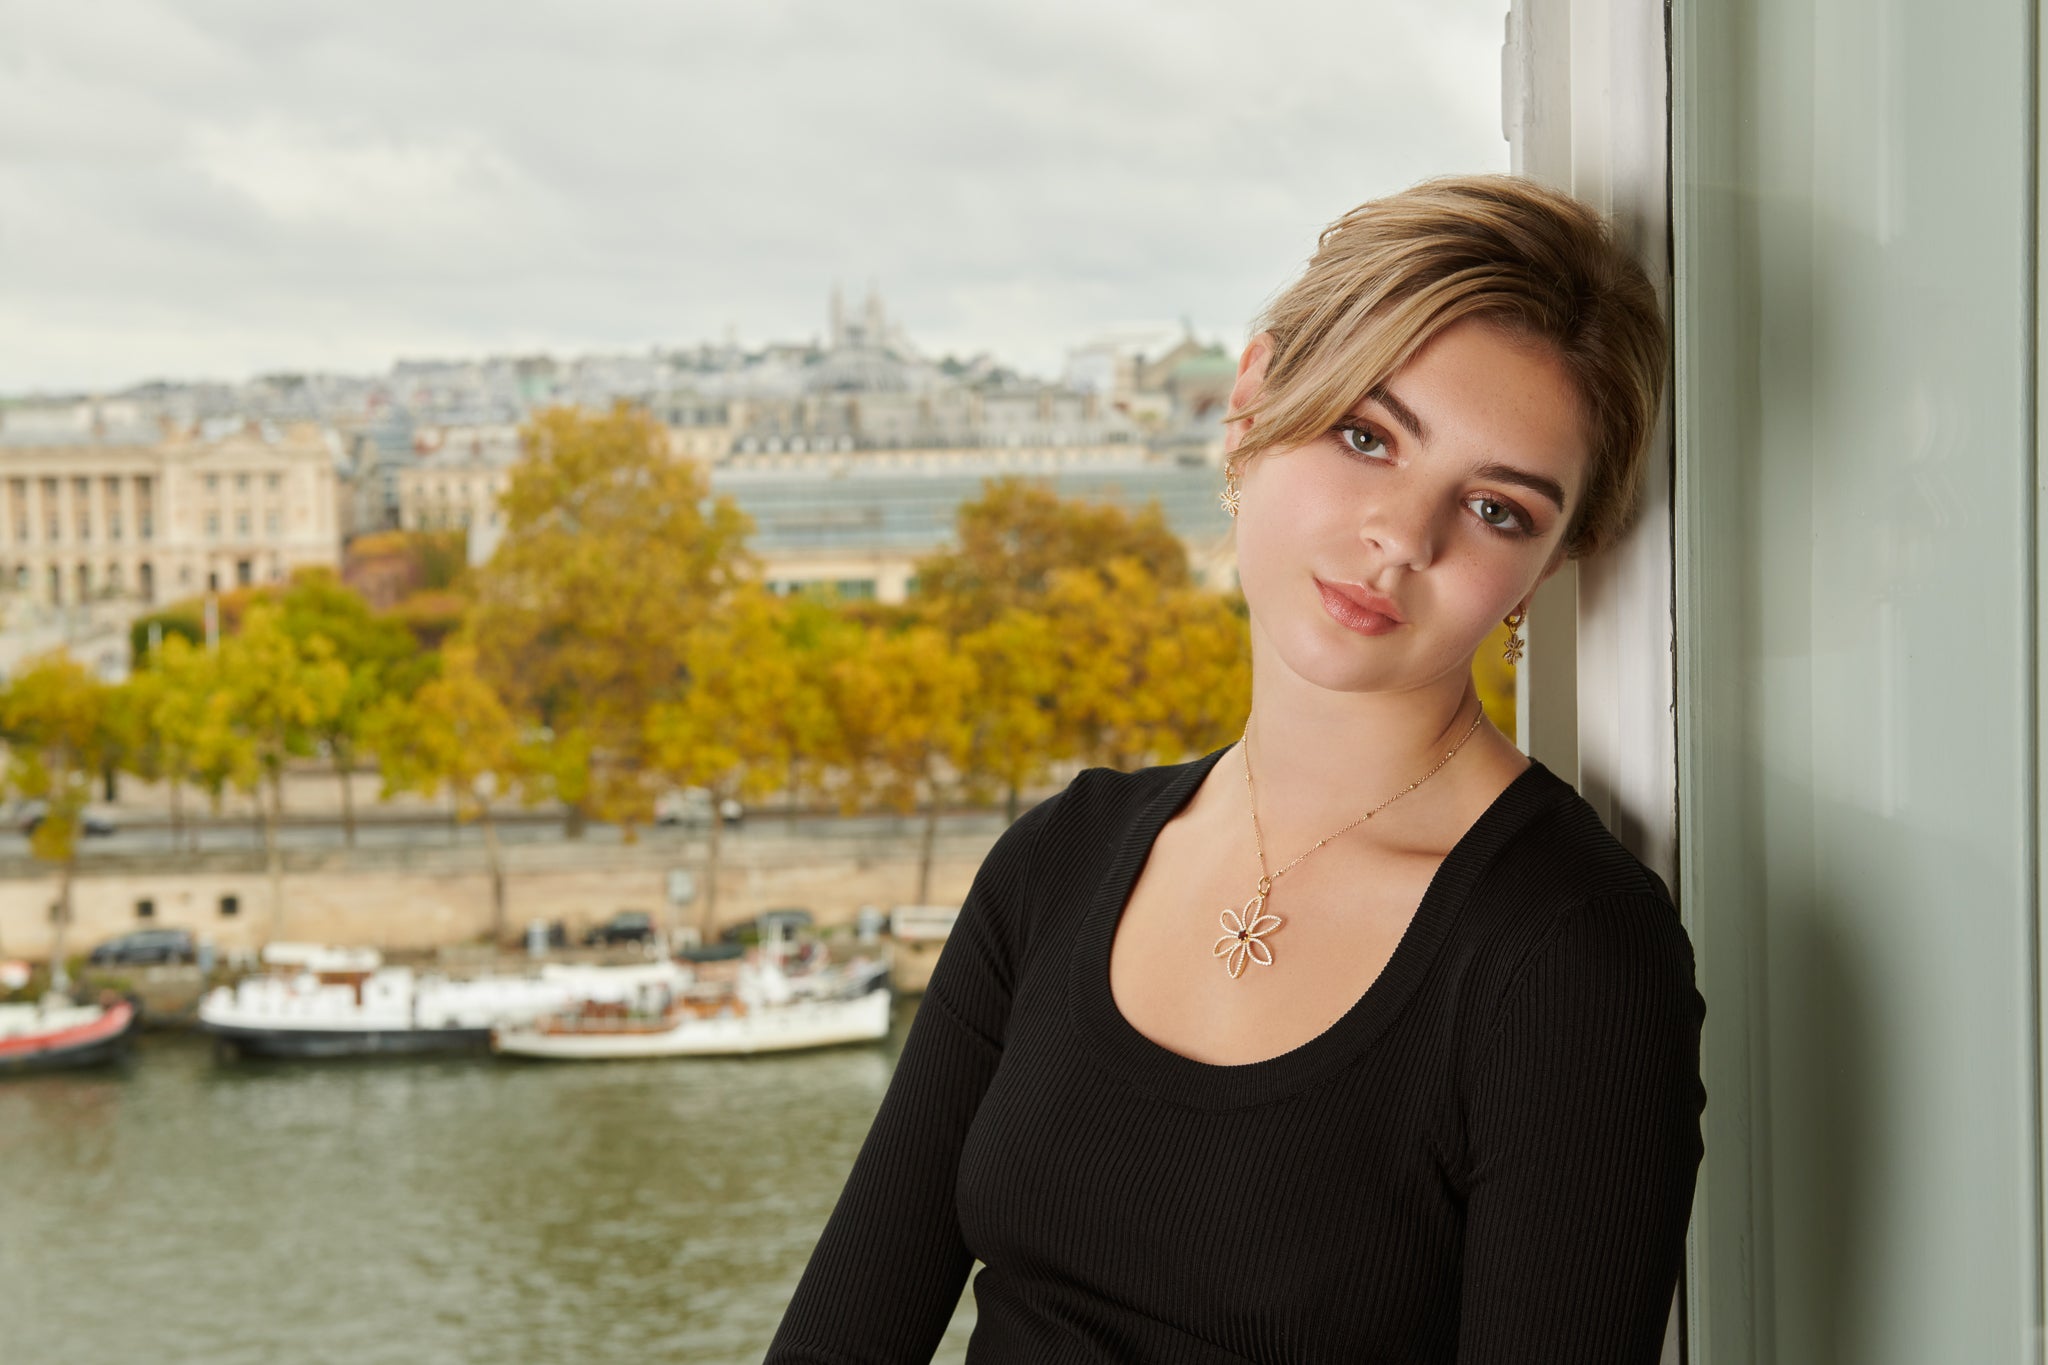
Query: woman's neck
column 1321, row 757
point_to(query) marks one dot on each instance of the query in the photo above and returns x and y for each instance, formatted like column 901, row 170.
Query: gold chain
column 1244, row 929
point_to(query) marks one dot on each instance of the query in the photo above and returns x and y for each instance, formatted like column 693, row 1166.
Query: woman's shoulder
column 1102, row 802
column 1555, row 882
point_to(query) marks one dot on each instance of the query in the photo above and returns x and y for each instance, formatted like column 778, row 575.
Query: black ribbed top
column 1489, row 1157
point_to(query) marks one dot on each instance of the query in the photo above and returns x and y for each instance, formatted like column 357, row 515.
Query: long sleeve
column 888, row 1270
column 1583, row 1114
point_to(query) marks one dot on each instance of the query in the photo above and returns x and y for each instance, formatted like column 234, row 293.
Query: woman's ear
column 1251, row 377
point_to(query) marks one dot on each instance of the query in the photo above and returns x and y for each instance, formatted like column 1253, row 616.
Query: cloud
column 225, row 186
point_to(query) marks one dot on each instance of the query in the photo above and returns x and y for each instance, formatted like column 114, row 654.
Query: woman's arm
column 887, row 1273
column 1583, row 1114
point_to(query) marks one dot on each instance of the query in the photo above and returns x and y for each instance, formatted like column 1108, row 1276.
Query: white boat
column 395, row 1009
column 767, row 1010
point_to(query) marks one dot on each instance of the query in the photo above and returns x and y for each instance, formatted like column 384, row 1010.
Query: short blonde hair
column 1391, row 274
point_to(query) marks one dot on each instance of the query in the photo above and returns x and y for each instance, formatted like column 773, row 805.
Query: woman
column 1359, row 1039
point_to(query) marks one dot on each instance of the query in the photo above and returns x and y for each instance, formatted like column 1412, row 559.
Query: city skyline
column 214, row 194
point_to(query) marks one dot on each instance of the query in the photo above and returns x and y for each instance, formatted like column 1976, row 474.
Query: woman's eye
column 1496, row 514
column 1362, row 441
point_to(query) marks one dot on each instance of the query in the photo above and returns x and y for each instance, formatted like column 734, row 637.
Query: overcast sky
column 215, row 188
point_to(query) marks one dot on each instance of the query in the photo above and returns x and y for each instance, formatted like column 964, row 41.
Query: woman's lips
column 1355, row 608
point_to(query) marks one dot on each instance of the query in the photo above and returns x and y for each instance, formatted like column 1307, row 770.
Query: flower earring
column 1228, row 497
column 1515, row 642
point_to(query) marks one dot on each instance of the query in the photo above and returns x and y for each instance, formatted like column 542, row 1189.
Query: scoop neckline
column 1159, row 1070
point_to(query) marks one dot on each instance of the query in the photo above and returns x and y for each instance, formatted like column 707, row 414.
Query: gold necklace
column 1244, row 930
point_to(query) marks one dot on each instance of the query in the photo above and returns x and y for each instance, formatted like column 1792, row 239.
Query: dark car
column 627, row 926
column 92, row 822
column 768, row 924
column 146, row 946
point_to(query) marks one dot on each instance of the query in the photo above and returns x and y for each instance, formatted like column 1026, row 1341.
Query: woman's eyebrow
column 1535, row 483
column 1403, row 414
column 1499, row 473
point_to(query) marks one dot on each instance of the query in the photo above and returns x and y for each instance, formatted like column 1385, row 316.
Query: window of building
column 84, row 582
column 273, row 481
column 213, row 525
column 241, row 483
column 56, row 585
column 242, row 523
column 271, row 521
column 245, row 572
column 146, row 580
column 145, row 512
column 860, row 589
column 230, row 906
column 213, row 483
column 145, row 908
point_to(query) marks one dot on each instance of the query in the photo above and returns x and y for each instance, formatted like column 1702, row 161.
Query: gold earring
column 1513, row 652
column 1228, row 497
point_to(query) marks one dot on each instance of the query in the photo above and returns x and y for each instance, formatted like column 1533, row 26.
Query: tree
column 613, row 551
column 378, row 654
column 1148, row 672
column 1018, row 534
column 282, row 691
column 754, row 714
column 1013, row 713
column 452, row 735
column 56, row 717
column 904, row 735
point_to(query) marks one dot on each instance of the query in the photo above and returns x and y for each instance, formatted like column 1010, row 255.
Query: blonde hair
column 1391, row 274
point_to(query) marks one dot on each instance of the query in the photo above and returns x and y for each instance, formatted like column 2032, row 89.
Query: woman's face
column 1377, row 556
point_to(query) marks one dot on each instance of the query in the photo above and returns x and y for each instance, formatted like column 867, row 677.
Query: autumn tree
column 379, row 655
column 1013, row 722
column 753, row 713
column 57, row 720
column 282, row 690
column 452, row 734
column 1010, row 542
column 904, row 736
column 613, row 552
column 1148, row 672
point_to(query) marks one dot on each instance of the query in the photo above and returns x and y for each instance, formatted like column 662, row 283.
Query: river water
column 186, row 1208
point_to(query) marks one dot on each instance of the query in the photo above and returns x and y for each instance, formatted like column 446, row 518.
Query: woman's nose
column 1402, row 528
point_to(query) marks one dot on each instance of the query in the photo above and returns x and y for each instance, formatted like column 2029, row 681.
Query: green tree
column 379, row 655
column 613, row 552
column 57, row 720
column 282, row 691
column 452, row 735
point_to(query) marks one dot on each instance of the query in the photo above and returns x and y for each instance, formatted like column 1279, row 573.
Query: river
column 186, row 1208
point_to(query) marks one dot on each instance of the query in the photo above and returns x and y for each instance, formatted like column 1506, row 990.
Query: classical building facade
column 154, row 515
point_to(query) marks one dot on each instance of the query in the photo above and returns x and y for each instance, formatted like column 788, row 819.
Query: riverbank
column 423, row 898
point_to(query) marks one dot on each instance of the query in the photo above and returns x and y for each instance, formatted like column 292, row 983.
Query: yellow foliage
column 613, row 552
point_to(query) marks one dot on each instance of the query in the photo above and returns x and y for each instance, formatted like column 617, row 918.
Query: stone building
column 149, row 514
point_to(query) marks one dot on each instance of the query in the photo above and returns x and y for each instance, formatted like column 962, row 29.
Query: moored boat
column 766, row 1011
column 397, row 1010
column 55, row 1033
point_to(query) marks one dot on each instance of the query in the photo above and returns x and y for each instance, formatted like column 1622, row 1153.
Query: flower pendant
column 1242, row 934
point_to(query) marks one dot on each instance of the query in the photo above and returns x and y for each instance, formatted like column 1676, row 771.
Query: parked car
column 145, row 946
column 692, row 806
column 768, row 924
column 93, row 821
column 627, row 926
